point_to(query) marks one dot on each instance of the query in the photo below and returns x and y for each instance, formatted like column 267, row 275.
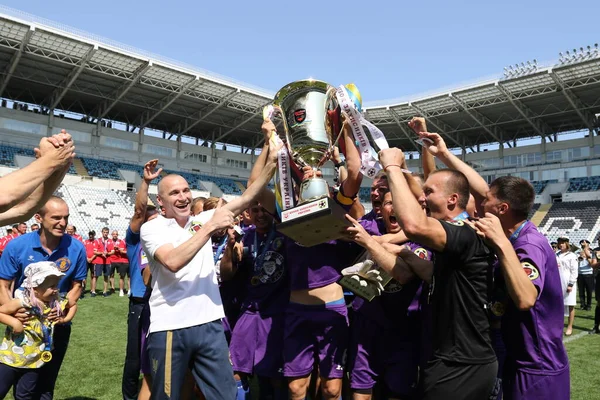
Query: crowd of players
column 474, row 309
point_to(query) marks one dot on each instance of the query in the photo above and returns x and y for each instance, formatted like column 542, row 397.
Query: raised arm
column 266, row 197
column 53, row 153
column 238, row 205
column 418, row 124
column 141, row 197
column 477, row 184
column 415, row 224
column 351, row 185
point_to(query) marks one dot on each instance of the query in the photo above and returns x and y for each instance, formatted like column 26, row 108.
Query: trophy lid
column 300, row 86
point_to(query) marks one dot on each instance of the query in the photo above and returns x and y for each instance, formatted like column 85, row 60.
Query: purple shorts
column 376, row 355
column 145, row 366
column 313, row 332
column 257, row 344
column 527, row 386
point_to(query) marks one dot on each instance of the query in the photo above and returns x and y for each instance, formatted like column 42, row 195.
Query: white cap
column 36, row 273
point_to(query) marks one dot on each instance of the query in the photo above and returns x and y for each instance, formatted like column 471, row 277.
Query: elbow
column 411, row 228
column 172, row 266
column 526, row 303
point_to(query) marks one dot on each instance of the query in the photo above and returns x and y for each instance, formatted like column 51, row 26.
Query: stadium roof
column 58, row 67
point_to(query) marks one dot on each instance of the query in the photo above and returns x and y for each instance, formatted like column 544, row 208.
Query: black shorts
column 102, row 269
column 451, row 380
column 90, row 267
column 121, row 268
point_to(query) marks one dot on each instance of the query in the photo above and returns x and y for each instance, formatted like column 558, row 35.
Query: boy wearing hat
column 27, row 347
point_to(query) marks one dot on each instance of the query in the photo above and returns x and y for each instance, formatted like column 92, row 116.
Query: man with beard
column 185, row 305
column 257, row 339
column 463, row 365
column 530, row 303
column 385, row 332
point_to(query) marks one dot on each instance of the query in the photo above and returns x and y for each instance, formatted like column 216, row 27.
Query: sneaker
column 595, row 331
column 93, row 294
column 82, row 296
column 104, row 294
column 121, row 294
column 112, row 290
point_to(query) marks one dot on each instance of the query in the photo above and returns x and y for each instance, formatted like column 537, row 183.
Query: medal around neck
column 312, row 121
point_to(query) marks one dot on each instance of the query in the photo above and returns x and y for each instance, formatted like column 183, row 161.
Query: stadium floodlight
column 525, row 68
column 578, row 55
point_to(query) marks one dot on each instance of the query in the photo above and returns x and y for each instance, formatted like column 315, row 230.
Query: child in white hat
column 27, row 346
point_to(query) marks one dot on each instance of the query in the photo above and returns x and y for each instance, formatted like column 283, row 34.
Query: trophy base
column 368, row 292
column 313, row 223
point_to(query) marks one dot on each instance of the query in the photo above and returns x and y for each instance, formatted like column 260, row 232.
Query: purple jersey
column 267, row 281
column 398, row 304
column 371, row 216
column 320, row 265
column 534, row 338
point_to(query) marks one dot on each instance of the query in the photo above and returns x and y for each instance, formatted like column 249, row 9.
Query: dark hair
column 517, row 192
column 15, row 226
column 458, row 183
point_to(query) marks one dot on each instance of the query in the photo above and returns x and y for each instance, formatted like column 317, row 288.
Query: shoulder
column 20, row 241
column 150, row 226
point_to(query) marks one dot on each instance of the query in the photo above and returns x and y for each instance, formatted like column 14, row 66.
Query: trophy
column 311, row 118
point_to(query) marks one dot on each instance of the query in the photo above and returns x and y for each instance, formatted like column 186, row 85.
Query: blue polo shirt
column 134, row 250
column 69, row 257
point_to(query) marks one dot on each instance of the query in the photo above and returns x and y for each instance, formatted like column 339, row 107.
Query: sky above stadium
column 390, row 49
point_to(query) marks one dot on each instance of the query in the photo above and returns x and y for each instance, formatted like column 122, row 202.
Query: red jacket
column 120, row 255
column 102, row 246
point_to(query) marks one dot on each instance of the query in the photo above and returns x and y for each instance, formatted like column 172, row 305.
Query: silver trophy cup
column 310, row 115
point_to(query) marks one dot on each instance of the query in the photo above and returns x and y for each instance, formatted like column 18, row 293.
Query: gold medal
column 46, row 356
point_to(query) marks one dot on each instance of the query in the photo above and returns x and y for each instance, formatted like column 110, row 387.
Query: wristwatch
column 340, row 164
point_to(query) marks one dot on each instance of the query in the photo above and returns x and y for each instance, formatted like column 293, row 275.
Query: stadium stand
column 364, row 194
column 584, row 184
column 8, row 153
column 539, row 186
column 577, row 220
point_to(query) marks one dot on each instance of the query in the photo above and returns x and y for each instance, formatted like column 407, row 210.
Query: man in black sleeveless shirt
column 463, row 364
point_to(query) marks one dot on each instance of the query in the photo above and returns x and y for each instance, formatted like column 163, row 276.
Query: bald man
column 49, row 243
column 180, row 256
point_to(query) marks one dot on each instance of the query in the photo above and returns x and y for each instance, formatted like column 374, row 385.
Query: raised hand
column 490, row 229
column 356, row 232
column 418, row 125
column 149, row 170
column 391, row 156
column 435, row 144
column 267, row 128
column 221, row 219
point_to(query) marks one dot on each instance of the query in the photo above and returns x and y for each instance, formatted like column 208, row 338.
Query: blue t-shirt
column 69, row 257
column 134, row 253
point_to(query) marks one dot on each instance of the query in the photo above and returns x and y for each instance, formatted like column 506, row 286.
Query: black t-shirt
column 459, row 297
